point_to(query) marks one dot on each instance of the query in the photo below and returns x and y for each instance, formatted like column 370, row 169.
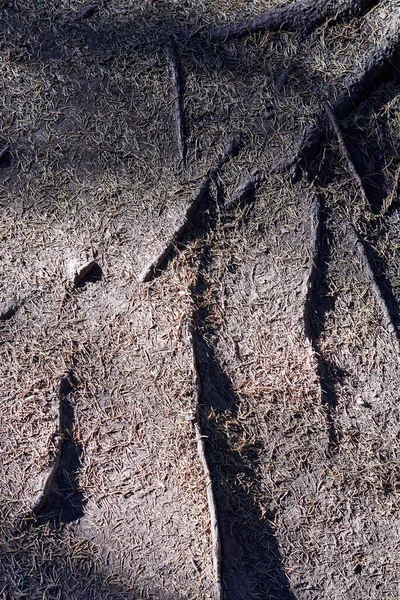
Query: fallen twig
column 177, row 90
column 302, row 16
column 201, row 450
column 231, row 148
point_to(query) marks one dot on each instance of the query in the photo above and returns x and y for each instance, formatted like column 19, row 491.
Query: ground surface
column 299, row 401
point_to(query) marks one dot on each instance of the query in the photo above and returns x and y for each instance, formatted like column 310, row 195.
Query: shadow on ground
column 39, row 562
column 252, row 565
column 66, row 501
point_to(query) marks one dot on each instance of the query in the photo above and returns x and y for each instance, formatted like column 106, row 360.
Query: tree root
column 201, row 450
column 302, row 16
column 391, row 199
column 231, row 148
column 177, row 90
column 376, row 288
column 312, row 267
column 379, row 65
column 389, row 321
column 3, row 152
column 46, row 484
column 245, row 190
column 346, row 154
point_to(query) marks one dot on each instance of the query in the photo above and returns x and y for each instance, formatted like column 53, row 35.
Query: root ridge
column 302, row 17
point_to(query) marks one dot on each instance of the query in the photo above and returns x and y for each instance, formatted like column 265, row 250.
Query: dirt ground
column 291, row 291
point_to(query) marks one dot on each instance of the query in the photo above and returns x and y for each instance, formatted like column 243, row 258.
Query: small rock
column 83, row 271
column 78, row 270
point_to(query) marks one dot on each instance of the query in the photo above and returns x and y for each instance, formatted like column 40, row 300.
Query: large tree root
column 379, row 65
column 201, row 450
column 231, row 148
column 376, row 288
column 389, row 321
column 45, row 486
column 302, row 16
column 177, row 91
column 346, row 154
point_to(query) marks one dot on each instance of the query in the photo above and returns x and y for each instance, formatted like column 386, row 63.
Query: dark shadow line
column 317, row 305
column 65, row 502
column 378, row 267
column 240, row 522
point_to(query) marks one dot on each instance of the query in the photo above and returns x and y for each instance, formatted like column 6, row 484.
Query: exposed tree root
column 177, row 91
column 389, row 321
column 60, row 499
column 201, row 450
column 346, row 154
column 379, row 65
column 3, row 152
column 313, row 262
column 232, row 146
column 46, row 484
column 376, row 288
column 245, row 190
column 391, row 199
column 302, row 16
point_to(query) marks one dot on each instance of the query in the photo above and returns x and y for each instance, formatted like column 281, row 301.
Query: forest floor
column 267, row 338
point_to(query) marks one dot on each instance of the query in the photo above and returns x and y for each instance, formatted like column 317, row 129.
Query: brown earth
column 287, row 274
